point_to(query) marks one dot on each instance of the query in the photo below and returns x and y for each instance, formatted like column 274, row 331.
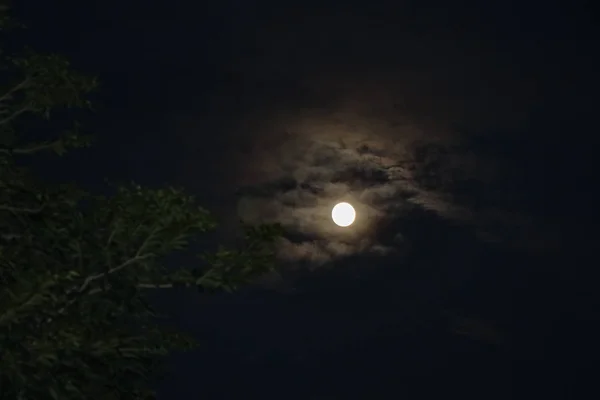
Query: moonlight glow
column 343, row 214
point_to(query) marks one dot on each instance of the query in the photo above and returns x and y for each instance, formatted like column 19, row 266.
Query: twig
column 158, row 285
column 15, row 115
column 17, row 87
column 18, row 210
column 92, row 278
column 30, row 150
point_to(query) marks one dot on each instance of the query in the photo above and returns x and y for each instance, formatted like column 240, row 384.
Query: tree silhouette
column 75, row 269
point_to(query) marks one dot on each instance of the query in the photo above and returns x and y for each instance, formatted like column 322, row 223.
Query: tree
column 75, row 268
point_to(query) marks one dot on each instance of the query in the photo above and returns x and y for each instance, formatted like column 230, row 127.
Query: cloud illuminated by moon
column 343, row 214
column 296, row 176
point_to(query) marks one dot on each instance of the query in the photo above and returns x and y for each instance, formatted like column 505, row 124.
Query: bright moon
column 343, row 214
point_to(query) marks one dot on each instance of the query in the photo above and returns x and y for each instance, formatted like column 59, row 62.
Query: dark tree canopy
column 75, row 268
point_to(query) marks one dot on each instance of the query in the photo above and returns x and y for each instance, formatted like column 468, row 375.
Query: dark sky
column 274, row 111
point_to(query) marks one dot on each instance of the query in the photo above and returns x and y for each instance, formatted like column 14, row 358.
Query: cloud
column 344, row 135
column 309, row 174
column 319, row 162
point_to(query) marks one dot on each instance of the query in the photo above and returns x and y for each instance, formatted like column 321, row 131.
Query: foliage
column 75, row 268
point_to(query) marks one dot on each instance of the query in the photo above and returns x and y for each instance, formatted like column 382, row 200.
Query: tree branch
column 147, row 286
column 108, row 243
column 165, row 285
column 92, row 278
column 15, row 114
column 137, row 258
column 33, row 149
column 15, row 88
column 159, row 285
column 18, row 210
column 146, row 241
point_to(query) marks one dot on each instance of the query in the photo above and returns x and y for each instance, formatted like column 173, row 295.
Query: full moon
column 343, row 214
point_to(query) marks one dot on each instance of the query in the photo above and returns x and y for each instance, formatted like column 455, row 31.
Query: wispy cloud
column 305, row 163
column 313, row 174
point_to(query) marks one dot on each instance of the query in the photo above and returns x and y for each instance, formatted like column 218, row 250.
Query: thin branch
column 147, row 241
column 92, row 278
column 79, row 256
column 158, row 285
column 15, row 114
column 111, row 237
column 10, row 236
column 17, row 87
column 145, row 286
column 98, row 290
column 137, row 258
column 33, row 149
column 18, row 210
column 165, row 285
column 108, row 243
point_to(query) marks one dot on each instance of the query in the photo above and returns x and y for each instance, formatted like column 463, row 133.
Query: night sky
column 275, row 111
